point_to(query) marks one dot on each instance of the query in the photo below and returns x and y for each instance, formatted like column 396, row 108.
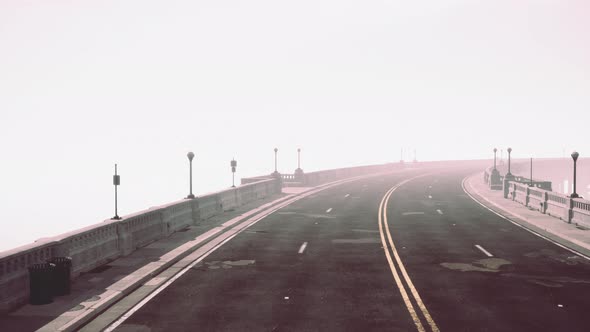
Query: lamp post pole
column 190, row 157
column 495, row 150
column 531, row 172
column 509, row 153
column 276, row 150
column 298, row 158
column 575, row 156
column 116, row 183
column 233, row 165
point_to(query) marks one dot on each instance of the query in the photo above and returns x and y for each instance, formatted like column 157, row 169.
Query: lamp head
column 575, row 155
column 190, row 156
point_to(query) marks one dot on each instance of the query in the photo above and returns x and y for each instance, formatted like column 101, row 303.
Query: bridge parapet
column 538, row 195
column 97, row 244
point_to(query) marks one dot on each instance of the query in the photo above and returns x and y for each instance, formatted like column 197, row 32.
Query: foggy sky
column 86, row 84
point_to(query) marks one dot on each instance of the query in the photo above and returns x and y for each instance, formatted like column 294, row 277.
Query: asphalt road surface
column 351, row 258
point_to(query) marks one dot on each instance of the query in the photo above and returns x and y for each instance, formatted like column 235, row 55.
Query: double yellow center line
column 398, row 265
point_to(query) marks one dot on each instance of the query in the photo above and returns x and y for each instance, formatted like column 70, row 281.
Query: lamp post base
column 116, row 218
column 191, row 196
column 574, row 195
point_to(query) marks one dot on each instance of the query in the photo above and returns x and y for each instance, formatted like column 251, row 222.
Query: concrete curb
column 552, row 235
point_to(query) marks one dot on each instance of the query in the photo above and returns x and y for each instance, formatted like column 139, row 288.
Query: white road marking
column 411, row 213
column 329, row 210
column 439, row 211
column 302, row 248
column 346, row 195
column 483, row 250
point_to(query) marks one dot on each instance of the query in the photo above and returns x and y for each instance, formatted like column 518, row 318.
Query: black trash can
column 41, row 283
column 61, row 276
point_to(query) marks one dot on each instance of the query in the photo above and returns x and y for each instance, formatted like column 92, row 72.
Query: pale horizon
column 141, row 83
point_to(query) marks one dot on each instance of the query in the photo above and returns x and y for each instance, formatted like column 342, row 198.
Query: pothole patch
column 483, row 265
column 214, row 265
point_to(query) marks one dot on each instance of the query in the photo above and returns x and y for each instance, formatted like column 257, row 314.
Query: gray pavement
column 319, row 265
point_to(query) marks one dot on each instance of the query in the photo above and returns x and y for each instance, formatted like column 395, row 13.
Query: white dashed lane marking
column 483, row 250
column 302, row 248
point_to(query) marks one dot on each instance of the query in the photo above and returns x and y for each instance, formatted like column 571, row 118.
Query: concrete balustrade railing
column 14, row 280
column 580, row 212
column 95, row 245
column 535, row 197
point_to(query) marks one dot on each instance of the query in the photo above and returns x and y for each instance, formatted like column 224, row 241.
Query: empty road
column 409, row 251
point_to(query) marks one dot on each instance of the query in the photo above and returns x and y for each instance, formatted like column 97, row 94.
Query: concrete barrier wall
column 581, row 212
column 95, row 245
column 14, row 278
column 537, row 199
column 570, row 210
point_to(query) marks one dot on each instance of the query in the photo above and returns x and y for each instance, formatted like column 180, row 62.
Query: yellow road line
column 396, row 277
column 383, row 220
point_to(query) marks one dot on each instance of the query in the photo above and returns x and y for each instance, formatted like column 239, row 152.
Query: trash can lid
column 41, row 266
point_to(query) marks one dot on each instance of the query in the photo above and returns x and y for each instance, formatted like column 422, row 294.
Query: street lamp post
column 190, row 157
column 509, row 152
column 531, row 172
column 298, row 158
column 495, row 150
column 276, row 150
column 575, row 156
column 116, row 183
column 233, row 165
column 495, row 176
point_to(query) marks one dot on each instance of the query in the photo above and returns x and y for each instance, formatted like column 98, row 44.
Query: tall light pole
column 495, row 176
column 190, row 157
column 298, row 158
column 575, row 156
column 509, row 152
column 276, row 150
column 116, row 183
column 495, row 151
column 233, row 165
column 531, row 172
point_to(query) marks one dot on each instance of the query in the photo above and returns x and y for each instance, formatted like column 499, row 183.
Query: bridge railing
column 95, row 245
column 535, row 197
